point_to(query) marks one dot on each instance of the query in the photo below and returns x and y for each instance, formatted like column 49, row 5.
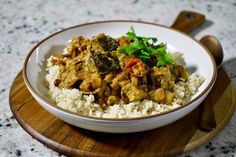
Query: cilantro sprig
column 146, row 48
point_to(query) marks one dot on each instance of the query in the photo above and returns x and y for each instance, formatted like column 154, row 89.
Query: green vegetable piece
column 105, row 63
column 108, row 43
column 146, row 48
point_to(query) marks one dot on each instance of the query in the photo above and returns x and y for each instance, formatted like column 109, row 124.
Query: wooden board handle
column 207, row 120
column 207, row 117
column 187, row 21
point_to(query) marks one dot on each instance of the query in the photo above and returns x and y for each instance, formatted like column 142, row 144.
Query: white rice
column 73, row 100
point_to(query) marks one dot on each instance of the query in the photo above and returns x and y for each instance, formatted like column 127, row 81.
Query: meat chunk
column 162, row 77
column 109, row 77
column 169, row 97
column 116, row 90
column 134, row 80
column 122, row 58
column 77, row 46
column 123, row 42
column 180, row 72
column 122, row 76
column 157, row 95
column 91, row 82
column 161, row 96
column 123, row 83
column 134, row 93
column 68, row 78
column 100, row 67
column 112, row 100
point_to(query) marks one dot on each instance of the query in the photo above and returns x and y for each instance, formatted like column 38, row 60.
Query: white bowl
column 196, row 57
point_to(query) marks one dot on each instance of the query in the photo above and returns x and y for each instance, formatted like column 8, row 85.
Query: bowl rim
column 74, row 114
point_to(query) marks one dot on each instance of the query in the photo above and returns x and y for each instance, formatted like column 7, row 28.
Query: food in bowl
column 126, row 77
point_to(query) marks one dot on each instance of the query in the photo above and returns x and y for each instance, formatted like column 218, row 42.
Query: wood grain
column 170, row 140
column 187, row 21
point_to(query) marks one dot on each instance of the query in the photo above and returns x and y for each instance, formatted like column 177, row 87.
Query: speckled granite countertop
column 23, row 23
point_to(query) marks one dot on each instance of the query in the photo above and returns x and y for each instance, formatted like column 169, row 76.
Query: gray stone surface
column 23, row 23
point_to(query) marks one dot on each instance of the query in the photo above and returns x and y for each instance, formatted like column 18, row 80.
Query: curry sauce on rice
column 130, row 76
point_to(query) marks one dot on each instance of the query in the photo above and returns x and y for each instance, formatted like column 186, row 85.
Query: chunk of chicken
column 122, row 76
column 180, row 71
column 123, row 83
column 162, row 96
column 134, row 93
column 162, row 77
column 77, row 46
column 169, row 97
column 108, row 78
column 157, row 95
column 91, row 82
column 134, row 80
column 121, row 57
column 68, row 78
column 123, row 42
column 112, row 100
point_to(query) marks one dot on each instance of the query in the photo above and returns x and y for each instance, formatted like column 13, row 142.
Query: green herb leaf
column 145, row 47
column 161, row 61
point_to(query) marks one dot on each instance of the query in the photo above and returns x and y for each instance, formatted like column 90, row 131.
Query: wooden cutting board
column 173, row 139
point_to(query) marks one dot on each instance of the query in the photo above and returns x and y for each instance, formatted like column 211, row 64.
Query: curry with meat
column 128, row 68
